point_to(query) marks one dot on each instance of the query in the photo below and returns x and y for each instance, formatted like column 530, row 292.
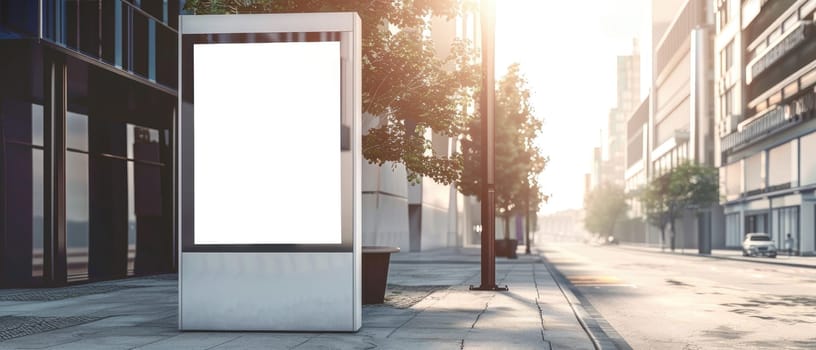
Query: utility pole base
column 494, row 288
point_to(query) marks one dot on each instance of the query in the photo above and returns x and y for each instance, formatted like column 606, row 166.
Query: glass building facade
column 87, row 110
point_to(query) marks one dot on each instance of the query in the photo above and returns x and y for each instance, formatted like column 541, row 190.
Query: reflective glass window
column 37, row 199
column 77, row 216
column 77, row 131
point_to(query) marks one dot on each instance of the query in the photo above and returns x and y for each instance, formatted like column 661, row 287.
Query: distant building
column 681, row 114
column 628, row 95
column 765, row 105
column 595, row 176
column 637, row 172
column 564, row 225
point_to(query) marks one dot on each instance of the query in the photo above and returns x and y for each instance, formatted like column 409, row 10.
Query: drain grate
column 21, row 326
column 61, row 293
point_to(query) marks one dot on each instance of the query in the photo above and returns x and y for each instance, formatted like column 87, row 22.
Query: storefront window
column 757, row 223
column 733, row 234
column 77, row 216
column 787, row 224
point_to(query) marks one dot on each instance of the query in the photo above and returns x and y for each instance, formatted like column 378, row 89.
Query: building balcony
column 776, row 51
column 770, row 122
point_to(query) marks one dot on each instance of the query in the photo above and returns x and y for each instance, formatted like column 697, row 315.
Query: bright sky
column 568, row 50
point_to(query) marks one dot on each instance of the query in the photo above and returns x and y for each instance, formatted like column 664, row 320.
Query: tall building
column 681, row 120
column 596, row 174
column 663, row 14
column 87, row 111
column 765, row 102
column 637, row 165
column 628, row 95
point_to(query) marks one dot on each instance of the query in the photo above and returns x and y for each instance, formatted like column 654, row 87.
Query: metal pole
column 486, row 111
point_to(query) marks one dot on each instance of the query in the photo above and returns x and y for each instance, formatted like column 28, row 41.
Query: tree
column 689, row 186
column 653, row 199
column 405, row 84
column 518, row 160
column 604, row 206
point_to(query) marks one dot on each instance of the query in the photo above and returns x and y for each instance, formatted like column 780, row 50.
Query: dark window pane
column 110, row 137
column 88, row 35
column 139, row 52
column 143, row 143
column 17, row 121
column 156, row 8
column 173, row 10
column 71, row 21
column 108, row 217
column 19, row 216
column 109, row 19
column 148, row 228
column 166, row 56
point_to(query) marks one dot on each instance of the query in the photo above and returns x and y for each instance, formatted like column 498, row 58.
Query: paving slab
column 192, row 340
column 428, row 306
column 265, row 341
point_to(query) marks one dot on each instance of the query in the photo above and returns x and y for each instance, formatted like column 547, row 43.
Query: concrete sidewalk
column 734, row 254
column 428, row 306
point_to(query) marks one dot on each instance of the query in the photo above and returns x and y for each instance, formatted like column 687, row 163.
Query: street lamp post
column 486, row 111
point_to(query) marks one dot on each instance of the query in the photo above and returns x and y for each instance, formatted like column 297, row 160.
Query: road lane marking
column 598, row 281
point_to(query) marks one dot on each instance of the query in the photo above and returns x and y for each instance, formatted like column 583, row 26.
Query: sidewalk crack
column 472, row 326
column 538, row 304
column 487, row 304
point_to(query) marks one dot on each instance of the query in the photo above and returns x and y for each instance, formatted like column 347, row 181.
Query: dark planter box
column 507, row 248
column 375, row 273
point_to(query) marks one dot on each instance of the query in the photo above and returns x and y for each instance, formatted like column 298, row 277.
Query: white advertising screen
column 267, row 143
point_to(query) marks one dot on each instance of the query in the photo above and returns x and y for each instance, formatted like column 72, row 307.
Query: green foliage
column 694, row 186
column 517, row 159
column 604, row 206
column 405, row 84
column 654, row 200
column 687, row 186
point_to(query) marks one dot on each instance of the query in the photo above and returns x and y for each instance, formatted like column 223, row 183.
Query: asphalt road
column 667, row 301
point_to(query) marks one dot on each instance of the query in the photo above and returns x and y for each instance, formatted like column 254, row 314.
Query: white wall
column 435, row 216
column 385, row 206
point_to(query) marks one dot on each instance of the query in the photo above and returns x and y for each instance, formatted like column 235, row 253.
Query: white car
column 758, row 244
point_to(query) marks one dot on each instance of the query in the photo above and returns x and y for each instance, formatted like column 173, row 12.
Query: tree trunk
column 671, row 227
column 527, row 231
column 663, row 238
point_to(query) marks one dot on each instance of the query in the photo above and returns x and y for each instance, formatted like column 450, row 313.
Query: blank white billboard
column 267, row 143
